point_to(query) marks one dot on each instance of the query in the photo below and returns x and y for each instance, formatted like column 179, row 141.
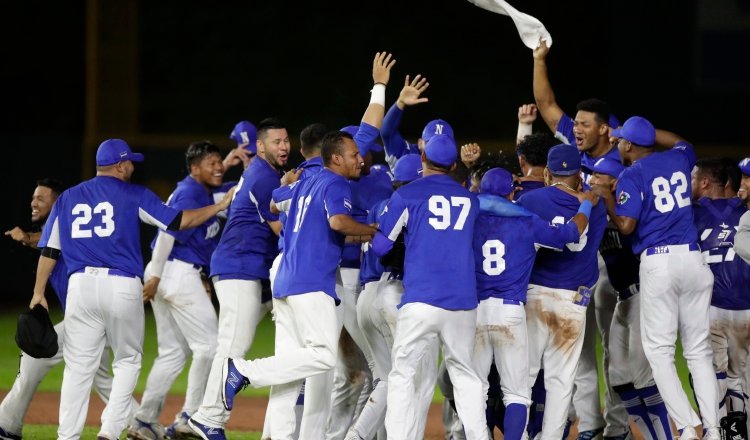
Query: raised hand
column 527, row 113
column 540, row 53
column 381, row 67
column 412, row 90
column 470, row 153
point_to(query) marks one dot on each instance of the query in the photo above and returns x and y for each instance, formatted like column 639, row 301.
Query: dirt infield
column 247, row 415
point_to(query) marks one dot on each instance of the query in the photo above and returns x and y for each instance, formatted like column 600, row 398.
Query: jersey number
column 573, row 247
column 493, row 252
column 441, row 207
column 666, row 196
column 84, row 214
column 302, row 204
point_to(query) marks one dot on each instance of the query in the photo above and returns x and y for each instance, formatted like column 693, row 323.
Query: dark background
column 193, row 69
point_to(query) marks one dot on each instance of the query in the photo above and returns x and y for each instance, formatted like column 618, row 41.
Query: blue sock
column 566, row 431
column 514, row 422
column 656, row 407
column 635, row 407
column 538, row 398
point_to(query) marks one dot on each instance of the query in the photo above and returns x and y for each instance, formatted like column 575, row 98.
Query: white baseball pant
column 419, row 329
column 186, row 323
column 676, row 295
column 555, row 329
column 730, row 340
column 240, row 311
column 100, row 309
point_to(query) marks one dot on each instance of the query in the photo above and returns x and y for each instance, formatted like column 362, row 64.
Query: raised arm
column 543, row 94
column 194, row 217
column 381, row 74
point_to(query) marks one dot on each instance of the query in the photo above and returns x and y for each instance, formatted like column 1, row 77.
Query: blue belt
column 195, row 266
column 679, row 248
column 115, row 272
column 512, row 302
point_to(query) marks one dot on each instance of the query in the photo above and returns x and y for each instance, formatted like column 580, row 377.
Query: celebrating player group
column 485, row 274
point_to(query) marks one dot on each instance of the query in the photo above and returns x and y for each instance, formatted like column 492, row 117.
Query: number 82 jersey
column 656, row 192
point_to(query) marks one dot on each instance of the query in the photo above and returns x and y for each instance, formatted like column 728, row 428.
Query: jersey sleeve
column 365, row 137
column 553, row 236
column 337, row 198
column 50, row 232
column 628, row 196
column 742, row 238
column 687, row 149
column 564, row 129
column 394, row 217
column 395, row 145
column 260, row 194
column 153, row 212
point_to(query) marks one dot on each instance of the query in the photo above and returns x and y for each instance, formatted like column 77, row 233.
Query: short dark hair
column 268, row 124
column 57, row 186
column 333, row 143
column 478, row 169
column 198, row 150
column 311, row 137
column 460, row 173
column 596, row 106
column 713, row 169
column 734, row 173
column 535, row 147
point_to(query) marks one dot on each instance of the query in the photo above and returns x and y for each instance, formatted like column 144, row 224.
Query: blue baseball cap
column 564, row 160
column 408, row 167
column 353, row 129
column 745, row 166
column 637, row 130
column 608, row 166
column 497, row 181
column 245, row 133
column 613, row 121
column 436, row 127
column 112, row 151
column 441, row 150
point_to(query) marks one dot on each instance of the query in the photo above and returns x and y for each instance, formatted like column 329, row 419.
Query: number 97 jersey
column 656, row 192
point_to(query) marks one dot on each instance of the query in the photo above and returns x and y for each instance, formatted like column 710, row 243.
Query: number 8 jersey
column 438, row 215
column 656, row 191
column 93, row 224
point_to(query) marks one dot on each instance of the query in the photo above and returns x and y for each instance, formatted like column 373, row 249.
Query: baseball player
column 503, row 261
column 186, row 321
column 716, row 220
column 241, row 263
column 372, row 322
column 653, row 203
column 31, row 370
column 439, row 301
column 560, row 287
column 629, row 372
column 96, row 226
column 742, row 239
column 394, row 144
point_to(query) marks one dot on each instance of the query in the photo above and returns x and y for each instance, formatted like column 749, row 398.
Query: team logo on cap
column 565, row 164
column 623, row 198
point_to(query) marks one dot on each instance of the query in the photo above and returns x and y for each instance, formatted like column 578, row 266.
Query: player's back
column 656, row 190
column 717, row 222
column 577, row 264
column 439, row 261
column 97, row 225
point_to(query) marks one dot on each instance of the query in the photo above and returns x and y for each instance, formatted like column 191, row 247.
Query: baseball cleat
column 592, row 434
column 688, row 433
column 712, row 434
column 206, row 432
column 180, row 429
column 233, row 382
column 7, row 435
column 141, row 430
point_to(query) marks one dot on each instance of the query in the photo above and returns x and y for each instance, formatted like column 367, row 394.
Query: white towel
column 529, row 28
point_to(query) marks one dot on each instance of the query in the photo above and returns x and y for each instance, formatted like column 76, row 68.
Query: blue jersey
column 365, row 137
column 371, row 268
column 505, row 242
column 96, row 223
column 577, row 265
column 438, row 215
column 312, row 250
column 394, row 144
column 526, row 186
column 565, row 134
column 656, row 192
column 366, row 191
column 194, row 245
column 309, row 167
column 622, row 265
column 248, row 245
column 717, row 221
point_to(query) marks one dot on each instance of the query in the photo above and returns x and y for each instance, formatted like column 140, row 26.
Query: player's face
column 41, row 203
column 275, row 147
column 602, row 179
column 352, row 161
column 744, row 192
column 210, row 170
column 623, row 147
column 587, row 130
column 695, row 183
